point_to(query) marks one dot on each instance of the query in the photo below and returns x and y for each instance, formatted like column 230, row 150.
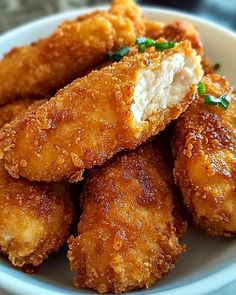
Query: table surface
column 16, row 12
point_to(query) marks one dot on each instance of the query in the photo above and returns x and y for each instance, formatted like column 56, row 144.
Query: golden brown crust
column 40, row 69
column 206, row 65
column 35, row 219
column 205, row 160
column 129, row 9
column 11, row 110
column 87, row 122
column 153, row 29
column 128, row 213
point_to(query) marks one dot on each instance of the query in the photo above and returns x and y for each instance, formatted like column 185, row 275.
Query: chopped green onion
column 216, row 67
column 224, row 101
column 119, row 54
column 164, row 45
column 144, row 43
column 201, row 88
column 140, row 40
column 150, row 42
column 141, row 48
column 123, row 51
column 210, row 99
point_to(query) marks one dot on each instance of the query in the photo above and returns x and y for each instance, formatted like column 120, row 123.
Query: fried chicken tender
column 35, row 219
column 204, row 149
column 90, row 120
column 40, row 69
column 127, row 236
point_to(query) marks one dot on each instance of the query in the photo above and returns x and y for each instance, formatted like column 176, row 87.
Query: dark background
column 16, row 12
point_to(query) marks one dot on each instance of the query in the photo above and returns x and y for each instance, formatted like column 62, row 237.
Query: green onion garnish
column 140, row 40
column 164, row 45
column 216, row 67
column 150, row 42
column 119, row 54
column 201, row 88
column 210, row 99
column 144, row 43
column 141, row 48
column 223, row 101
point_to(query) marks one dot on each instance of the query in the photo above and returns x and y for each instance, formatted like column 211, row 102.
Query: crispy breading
column 129, row 9
column 35, row 219
column 205, row 160
column 206, row 65
column 40, row 69
column 92, row 119
column 127, row 235
column 152, row 28
column 11, row 110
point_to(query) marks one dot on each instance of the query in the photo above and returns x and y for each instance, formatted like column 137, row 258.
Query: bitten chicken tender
column 205, row 160
column 127, row 235
column 40, row 69
column 35, row 219
column 90, row 120
column 178, row 31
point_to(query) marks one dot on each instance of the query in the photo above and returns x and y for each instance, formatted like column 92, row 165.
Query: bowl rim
column 204, row 285
column 211, row 282
column 145, row 8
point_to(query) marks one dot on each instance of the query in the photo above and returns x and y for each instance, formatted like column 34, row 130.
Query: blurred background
column 16, row 12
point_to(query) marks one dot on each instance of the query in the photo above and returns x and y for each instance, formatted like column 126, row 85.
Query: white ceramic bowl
column 209, row 263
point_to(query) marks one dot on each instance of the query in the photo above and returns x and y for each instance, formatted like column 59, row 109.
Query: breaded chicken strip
column 35, row 219
column 127, row 236
column 11, row 110
column 89, row 121
column 178, row 31
column 205, row 160
column 40, row 69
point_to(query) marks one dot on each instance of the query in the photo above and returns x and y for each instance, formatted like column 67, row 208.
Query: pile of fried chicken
column 91, row 104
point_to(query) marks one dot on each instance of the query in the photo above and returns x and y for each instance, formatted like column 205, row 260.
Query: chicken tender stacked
column 93, row 118
column 205, row 160
column 40, row 69
column 127, row 233
column 35, row 219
